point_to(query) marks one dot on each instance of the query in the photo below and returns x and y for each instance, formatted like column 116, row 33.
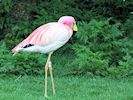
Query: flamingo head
column 69, row 21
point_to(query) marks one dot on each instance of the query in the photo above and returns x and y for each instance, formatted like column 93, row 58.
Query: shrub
column 88, row 61
column 102, row 46
column 21, row 63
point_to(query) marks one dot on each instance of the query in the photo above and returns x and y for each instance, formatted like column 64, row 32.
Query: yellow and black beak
column 75, row 28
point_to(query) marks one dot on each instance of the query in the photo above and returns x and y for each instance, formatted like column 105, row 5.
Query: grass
column 67, row 88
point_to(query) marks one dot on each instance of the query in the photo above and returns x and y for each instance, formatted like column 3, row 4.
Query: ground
column 67, row 88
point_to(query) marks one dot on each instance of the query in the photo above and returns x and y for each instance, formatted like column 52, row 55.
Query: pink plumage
column 48, row 37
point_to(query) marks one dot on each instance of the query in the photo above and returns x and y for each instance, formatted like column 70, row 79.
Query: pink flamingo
column 46, row 39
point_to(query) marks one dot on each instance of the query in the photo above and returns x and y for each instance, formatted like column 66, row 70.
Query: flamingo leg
column 46, row 75
column 46, row 78
column 51, row 75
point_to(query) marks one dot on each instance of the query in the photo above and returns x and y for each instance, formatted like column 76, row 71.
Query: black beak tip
column 74, row 32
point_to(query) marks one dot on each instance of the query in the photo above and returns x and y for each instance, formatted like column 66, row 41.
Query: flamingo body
column 47, row 38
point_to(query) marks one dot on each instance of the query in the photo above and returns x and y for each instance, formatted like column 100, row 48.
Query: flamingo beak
column 75, row 28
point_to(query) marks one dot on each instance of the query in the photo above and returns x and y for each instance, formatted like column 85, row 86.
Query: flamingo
column 47, row 39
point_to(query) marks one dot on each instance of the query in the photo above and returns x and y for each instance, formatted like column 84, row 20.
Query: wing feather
column 33, row 38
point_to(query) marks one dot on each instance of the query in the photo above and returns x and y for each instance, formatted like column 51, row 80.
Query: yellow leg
column 46, row 75
column 52, row 79
column 46, row 78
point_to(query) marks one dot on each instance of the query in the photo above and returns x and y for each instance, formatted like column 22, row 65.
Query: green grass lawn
column 67, row 88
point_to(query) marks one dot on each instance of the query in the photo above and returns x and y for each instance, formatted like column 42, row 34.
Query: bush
column 21, row 63
column 88, row 61
column 103, row 48
column 99, row 47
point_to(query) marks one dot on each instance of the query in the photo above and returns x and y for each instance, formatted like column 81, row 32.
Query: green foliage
column 23, row 63
column 124, row 69
column 5, row 6
column 87, row 61
column 5, row 10
column 119, row 9
column 102, row 46
column 128, row 28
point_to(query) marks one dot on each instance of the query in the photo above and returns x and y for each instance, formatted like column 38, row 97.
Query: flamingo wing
column 46, row 38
